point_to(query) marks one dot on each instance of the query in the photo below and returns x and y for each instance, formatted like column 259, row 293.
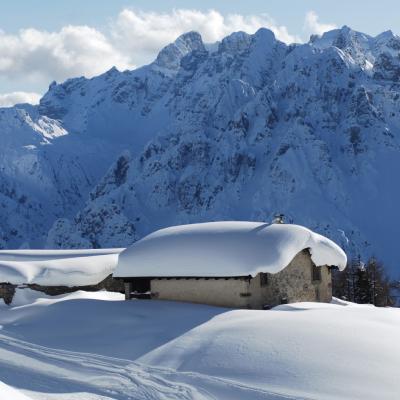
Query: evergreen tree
column 380, row 284
column 362, row 286
column 366, row 284
column 344, row 282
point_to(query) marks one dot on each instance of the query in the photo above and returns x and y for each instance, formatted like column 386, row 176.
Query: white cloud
column 313, row 26
column 74, row 50
column 9, row 99
column 145, row 33
column 32, row 58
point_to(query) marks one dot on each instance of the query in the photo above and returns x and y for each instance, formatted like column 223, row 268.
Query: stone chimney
column 278, row 219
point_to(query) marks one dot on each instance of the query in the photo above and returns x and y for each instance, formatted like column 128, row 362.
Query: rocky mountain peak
column 170, row 56
column 235, row 43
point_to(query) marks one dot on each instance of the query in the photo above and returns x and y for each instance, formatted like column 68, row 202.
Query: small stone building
column 231, row 264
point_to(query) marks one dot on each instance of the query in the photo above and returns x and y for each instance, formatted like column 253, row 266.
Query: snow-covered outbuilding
column 57, row 272
column 233, row 264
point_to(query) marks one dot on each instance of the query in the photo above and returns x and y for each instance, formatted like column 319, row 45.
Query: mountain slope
column 240, row 130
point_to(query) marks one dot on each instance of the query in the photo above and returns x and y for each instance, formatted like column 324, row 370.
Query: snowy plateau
column 237, row 130
column 96, row 346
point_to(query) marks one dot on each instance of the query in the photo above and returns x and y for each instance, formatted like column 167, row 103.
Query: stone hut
column 231, row 264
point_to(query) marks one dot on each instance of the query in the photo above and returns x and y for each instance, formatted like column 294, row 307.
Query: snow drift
column 9, row 393
column 57, row 267
column 225, row 249
column 169, row 350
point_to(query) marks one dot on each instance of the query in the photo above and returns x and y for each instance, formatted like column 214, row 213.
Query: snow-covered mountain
column 240, row 129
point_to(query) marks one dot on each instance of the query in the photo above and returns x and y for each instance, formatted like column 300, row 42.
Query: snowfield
column 57, row 267
column 9, row 393
column 95, row 346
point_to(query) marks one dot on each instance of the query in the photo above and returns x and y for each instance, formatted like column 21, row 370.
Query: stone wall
column 110, row 284
column 7, row 292
column 222, row 292
column 293, row 284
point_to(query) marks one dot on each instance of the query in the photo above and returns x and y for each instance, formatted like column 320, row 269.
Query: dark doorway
column 137, row 288
column 141, row 285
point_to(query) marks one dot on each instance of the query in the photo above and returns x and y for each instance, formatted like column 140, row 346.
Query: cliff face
column 236, row 131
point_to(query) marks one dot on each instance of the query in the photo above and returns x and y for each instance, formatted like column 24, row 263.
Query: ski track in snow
column 52, row 373
column 96, row 346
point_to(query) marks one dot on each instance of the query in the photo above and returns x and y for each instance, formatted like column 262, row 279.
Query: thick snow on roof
column 225, row 249
column 57, row 267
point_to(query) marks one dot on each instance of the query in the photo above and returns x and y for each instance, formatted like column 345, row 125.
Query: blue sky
column 369, row 16
column 45, row 40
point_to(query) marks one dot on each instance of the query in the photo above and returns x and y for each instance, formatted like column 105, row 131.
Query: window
column 263, row 279
column 316, row 273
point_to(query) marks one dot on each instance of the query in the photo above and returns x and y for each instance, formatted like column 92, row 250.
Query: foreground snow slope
column 96, row 346
column 57, row 267
column 9, row 393
column 228, row 248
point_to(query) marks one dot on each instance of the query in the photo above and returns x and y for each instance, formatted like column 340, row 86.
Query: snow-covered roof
column 225, row 249
column 57, row 267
